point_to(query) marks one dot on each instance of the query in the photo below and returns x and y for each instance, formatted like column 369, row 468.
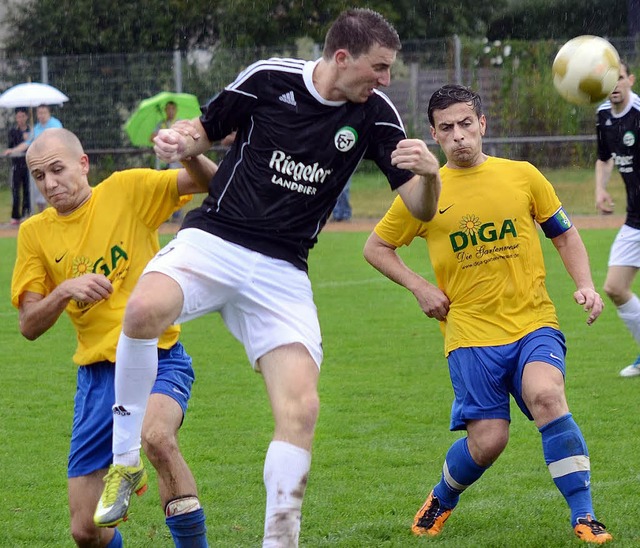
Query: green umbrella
column 150, row 112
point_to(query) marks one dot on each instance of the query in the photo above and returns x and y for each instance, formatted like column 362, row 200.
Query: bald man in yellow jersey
column 83, row 256
column 500, row 327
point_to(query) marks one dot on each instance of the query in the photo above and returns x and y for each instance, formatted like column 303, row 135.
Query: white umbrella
column 32, row 94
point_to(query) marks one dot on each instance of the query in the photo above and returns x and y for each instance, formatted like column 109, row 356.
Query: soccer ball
column 585, row 70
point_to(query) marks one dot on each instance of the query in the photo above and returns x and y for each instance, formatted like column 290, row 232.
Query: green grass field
column 381, row 437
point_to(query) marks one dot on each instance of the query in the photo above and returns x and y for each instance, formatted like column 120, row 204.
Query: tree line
column 77, row 27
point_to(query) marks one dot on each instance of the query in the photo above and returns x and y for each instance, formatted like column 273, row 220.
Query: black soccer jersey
column 619, row 138
column 293, row 154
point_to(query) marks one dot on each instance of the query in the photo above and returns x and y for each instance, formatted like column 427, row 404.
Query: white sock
column 629, row 313
column 286, row 468
column 136, row 370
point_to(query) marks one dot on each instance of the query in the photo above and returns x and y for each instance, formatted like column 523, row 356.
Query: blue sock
column 567, row 458
column 116, row 541
column 188, row 530
column 458, row 473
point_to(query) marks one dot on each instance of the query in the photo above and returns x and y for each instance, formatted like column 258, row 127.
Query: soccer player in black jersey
column 618, row 130
column 302, row 129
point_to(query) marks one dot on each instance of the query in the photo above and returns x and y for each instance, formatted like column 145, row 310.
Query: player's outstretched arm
column 196, row 176
column 383, row 257
column 576, row 261
column 603, row 171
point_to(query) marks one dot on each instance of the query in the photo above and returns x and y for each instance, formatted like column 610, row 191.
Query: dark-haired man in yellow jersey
column 500, row 327
column 83, row 256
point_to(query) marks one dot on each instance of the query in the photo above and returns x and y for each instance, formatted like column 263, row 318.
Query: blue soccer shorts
column 91, row 443
column 483, row 378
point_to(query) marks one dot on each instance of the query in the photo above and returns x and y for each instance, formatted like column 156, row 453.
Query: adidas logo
column 288, row 98
column 120, row 410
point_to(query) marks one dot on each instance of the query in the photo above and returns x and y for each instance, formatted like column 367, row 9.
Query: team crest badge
column 345, row 138
column 629, row 139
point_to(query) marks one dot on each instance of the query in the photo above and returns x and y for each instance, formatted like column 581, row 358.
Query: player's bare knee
column 309, row 411
column 547, row 405
column 486, row 450
column 85, row 533
column 159, row 444
column 617, row 294
column 142, row 320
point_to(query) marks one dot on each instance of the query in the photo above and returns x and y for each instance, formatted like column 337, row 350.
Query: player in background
column 83, row 256
column 302, row 129
column 500, row 327
column 618, row 133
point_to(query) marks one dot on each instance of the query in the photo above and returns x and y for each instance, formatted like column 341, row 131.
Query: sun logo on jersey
column 345, row 138
column 81, row 266
column 470, row 224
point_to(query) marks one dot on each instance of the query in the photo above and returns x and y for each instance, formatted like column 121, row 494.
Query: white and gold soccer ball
column 585, row 70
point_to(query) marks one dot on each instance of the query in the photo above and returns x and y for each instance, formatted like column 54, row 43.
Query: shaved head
column 58, row 136
column 59, row 166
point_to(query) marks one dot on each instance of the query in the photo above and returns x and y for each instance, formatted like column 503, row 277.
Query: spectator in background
column 618, row 144
column 342, row 210
column 19, row 172
column 45, row 121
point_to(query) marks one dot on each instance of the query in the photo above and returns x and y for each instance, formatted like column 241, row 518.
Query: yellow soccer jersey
column 485, row 250
column 113, row 233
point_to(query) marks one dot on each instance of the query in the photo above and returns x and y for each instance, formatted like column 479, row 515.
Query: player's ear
column 84, row 164
column 433, row 133
column 341, row 57
column 483, row 124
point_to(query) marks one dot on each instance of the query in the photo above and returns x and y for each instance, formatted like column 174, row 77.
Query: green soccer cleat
column 119, row 483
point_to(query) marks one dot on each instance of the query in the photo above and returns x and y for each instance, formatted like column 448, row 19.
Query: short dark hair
column 22, row 109
column 624, row 64
column 450, row 94
column 357, row 30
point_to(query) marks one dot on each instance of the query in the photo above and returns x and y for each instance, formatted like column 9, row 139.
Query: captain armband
column 557, row 224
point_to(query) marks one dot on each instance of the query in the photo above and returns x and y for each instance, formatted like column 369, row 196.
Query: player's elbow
column 424, row 213
column 29, row 332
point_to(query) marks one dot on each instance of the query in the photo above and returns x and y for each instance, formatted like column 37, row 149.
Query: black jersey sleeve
column 603, row 150
column 388, row 131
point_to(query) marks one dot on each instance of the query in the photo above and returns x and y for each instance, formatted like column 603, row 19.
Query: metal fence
column 105, row 89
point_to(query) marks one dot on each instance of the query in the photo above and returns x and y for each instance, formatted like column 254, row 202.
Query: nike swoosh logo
column 555, row 357
column 441, row 211
column 58, row 259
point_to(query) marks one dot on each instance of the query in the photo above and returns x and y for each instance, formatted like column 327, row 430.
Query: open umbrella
column 150, row 113
column 32, row 94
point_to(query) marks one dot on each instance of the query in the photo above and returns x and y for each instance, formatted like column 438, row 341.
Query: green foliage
column 525, row 103
column 425, row 19
column 562, row 19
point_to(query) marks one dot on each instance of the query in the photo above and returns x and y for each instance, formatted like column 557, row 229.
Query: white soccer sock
column 286, row 468
column 629, row 313
column 136, row 370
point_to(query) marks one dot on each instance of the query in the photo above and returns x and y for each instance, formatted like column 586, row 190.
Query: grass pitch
column 382, row 434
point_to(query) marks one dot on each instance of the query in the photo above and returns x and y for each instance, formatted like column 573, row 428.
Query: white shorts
column 264, row 302
column 625, row 250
